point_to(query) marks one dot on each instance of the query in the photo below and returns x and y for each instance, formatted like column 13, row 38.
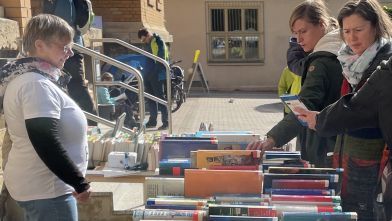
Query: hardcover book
column 182, row 148
column 211, row 158
column 207, row 183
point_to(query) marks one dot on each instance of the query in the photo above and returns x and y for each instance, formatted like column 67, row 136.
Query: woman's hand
column 262, row 145
column 83, row 196
column 307, row 116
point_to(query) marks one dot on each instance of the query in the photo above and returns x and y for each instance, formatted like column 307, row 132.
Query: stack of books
column 283, row 159
column 100, row 145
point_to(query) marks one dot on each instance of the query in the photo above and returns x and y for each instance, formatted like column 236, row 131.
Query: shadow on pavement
column 270, row 108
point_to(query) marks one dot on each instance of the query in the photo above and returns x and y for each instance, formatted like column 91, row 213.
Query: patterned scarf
column 29, row 64
column 353, row 65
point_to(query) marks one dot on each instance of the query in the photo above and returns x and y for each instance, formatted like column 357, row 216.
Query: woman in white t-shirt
column 45, row 172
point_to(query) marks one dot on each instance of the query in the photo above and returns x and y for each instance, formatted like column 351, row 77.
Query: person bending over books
column 366, row 30
column 121, row 106
column 318, row 35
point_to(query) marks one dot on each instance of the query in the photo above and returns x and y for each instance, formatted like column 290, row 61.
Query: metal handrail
column 106, row 122
column 121, row 66
column 128, row 87
column 167, row 103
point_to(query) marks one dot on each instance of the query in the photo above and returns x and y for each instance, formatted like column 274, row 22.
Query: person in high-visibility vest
column 155, row 76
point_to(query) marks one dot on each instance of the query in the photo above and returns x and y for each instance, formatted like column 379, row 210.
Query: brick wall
column 118, row 10
column 153, row 13
column 18, row 10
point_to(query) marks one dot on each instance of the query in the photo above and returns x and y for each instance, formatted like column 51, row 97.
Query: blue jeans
column 62, row 208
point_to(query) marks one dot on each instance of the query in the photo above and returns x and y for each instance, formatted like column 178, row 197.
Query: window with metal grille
column 235, row 32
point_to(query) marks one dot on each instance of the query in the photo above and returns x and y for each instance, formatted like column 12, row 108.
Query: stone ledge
column 9, row 33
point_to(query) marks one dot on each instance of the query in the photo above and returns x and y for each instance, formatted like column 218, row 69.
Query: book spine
column 175, row 207
column 306, row 192
column 174, row 171
column 194, row 215
column 296, row 170
column 239, row 167
column 175, row 201
column 299, row 184
column 305, row 199
column 306, row 208
column 334, row 216
column 240, row 218
column 229, row 210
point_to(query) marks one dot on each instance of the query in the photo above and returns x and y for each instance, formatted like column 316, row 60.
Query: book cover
column 163, row 186
column 242, row 210
column 182, row 148
column 207, row 183
column 174, row 167
column 230, row 140
column 314, row 216
column 208, row 158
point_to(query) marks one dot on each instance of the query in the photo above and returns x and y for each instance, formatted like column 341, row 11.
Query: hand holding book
column 307, row 116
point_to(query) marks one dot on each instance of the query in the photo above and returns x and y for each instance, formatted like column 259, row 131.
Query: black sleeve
column 296, row 57
column 44, row 135
column 353, row 111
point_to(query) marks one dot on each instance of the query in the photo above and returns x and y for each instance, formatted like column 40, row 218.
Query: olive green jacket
column 321, row 82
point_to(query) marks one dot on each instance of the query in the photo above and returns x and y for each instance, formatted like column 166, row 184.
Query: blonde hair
column 45, row 27
column 314, row 12
column 369, row 10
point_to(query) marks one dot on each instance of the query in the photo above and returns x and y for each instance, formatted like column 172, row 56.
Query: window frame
column 259, row 6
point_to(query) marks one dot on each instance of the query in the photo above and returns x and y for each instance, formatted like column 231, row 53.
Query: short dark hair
column 142, row 32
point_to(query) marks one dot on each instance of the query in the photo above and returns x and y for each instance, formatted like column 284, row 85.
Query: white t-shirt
column 32, row 95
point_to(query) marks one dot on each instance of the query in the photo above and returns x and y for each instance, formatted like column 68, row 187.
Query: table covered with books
column 209, row 175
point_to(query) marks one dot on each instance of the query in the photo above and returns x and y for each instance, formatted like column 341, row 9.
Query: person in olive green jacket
column 318, row 34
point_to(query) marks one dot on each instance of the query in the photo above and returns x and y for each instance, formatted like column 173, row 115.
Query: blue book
column 182, row 148
column 174, row 167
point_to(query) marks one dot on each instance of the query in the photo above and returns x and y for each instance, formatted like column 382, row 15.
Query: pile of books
column 101, row 144
column 203, row 180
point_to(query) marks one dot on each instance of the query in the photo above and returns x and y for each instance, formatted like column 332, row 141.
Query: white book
column 163, row 186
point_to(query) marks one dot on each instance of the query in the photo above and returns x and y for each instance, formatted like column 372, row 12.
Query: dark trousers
column 77, row 89
column 155, row 87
